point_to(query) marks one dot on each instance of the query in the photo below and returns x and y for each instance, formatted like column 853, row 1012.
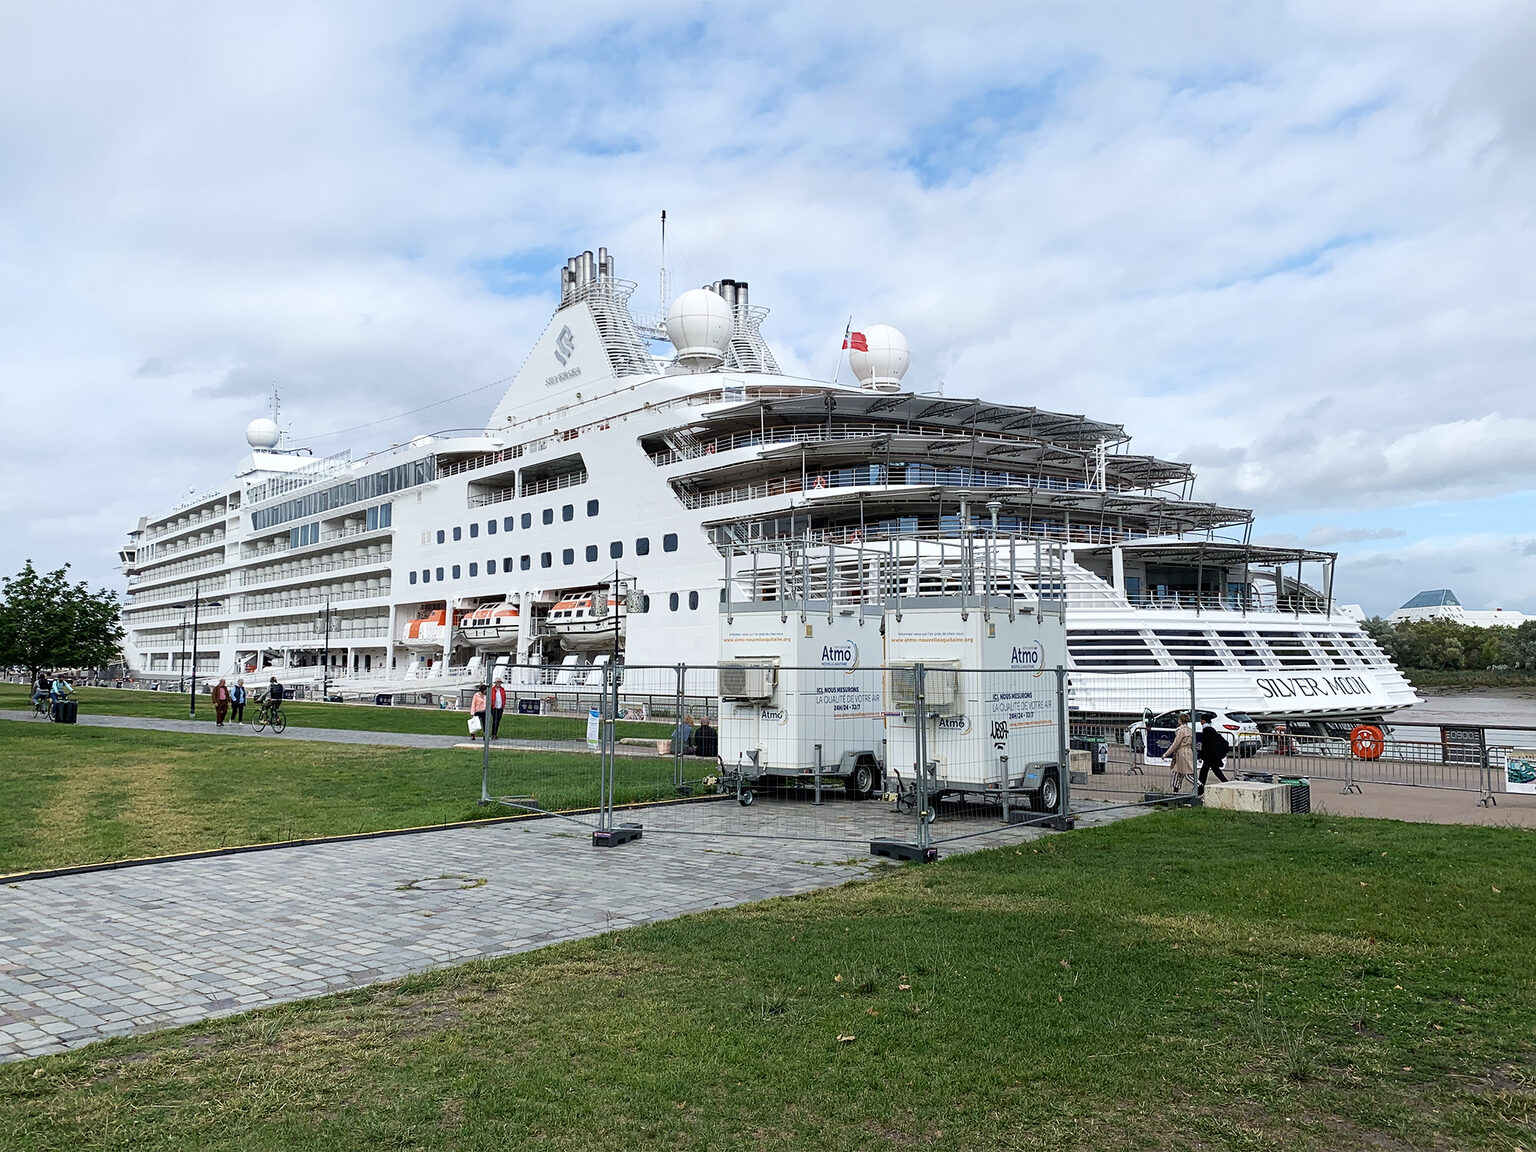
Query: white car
column 1238, row 727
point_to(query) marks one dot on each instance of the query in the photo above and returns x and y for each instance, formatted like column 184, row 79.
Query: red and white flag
column 856, row 341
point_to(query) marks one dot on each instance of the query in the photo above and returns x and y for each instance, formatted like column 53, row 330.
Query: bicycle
column 43, row 706
column 270, row 712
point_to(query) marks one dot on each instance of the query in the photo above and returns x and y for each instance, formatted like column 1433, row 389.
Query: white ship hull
column 605, row 463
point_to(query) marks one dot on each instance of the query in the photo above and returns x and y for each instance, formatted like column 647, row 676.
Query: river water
column 1502, row 710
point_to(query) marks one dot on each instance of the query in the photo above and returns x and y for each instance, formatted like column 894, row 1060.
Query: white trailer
column 800, row 699
column 990, row 724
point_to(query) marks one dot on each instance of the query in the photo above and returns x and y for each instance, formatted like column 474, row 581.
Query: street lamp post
column 325, row 660
column 181, row 681
column 197, row 602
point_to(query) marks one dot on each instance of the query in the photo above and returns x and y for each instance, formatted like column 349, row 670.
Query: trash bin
column 1301, row 792
column 65, row 711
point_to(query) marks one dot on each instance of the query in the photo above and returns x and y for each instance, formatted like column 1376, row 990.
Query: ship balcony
column 186, row 523
column 307, row 635
column 204, row 589
column 281, row 545
column 138, row 617
column 317, row 596
column 150, row 576
column 368, row 556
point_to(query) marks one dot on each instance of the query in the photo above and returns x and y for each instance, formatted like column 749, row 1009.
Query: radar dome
column 262, row 433
column 699, row 326
column 882, row 360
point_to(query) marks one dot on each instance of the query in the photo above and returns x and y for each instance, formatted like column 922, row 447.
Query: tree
column 45, row 622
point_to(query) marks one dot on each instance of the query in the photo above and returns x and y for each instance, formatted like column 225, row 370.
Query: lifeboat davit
column 491, row 626
column 587, row 623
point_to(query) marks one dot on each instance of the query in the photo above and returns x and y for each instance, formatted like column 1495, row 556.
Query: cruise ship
column 590, row 518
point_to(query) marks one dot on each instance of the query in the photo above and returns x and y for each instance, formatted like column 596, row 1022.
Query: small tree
column 47, row 622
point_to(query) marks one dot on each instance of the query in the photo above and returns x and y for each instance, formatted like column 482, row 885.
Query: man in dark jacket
column 706, row 741
column 1213, row 753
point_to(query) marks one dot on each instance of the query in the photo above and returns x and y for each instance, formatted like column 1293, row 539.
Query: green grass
column 361, row 717
column 1470, row 678
column 78, row 795
column 1187, row 980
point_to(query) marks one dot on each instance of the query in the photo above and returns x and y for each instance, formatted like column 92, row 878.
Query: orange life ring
column 1367, row 742
column 710, row 448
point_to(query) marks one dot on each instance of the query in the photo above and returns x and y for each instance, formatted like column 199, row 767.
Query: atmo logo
column 845, row 656
column 960, row 725
column 1028, row 656
column 565, row 344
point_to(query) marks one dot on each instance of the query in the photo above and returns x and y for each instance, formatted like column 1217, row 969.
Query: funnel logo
column 565, row 344
column 843, row 656
column 1030, row 657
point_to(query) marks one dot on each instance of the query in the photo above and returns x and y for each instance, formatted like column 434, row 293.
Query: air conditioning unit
column 941, row 687
column 747, row 681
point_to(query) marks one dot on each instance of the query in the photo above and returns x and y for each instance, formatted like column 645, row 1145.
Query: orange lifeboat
column 491, row 626
column 587, row 623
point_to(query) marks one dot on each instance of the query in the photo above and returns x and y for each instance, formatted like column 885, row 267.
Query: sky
column 1293, row 244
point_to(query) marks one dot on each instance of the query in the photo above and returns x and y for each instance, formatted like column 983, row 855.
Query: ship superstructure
column 590, row 515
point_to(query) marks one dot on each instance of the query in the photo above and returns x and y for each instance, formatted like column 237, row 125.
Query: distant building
column 1441, row 604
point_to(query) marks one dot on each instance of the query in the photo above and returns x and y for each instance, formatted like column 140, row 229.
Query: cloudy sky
column 1293, row 244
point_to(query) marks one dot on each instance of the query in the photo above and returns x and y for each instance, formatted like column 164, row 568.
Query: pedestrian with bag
column 1213, row 754
column 220, row 703
column 237, row 703
column 477, row 711
column 498, row 706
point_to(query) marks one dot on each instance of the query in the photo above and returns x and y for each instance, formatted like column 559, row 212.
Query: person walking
column 1213, row 754
column 220, row 703
column 237, row 703
column 477, row 709
column 1181, row 754
column 498, row 706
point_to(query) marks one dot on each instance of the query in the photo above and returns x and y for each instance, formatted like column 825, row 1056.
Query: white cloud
column 1293, row 242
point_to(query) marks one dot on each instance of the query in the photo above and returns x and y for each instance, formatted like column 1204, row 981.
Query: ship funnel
column 700, row 326
column 879, row 357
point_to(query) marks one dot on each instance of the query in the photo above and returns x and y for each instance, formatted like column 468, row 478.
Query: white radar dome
column 699, row 326
column 262, row 433
column 879, row 357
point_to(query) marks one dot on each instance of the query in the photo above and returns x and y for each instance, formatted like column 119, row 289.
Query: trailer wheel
column 1048, row 799
column 745, row 797
column 862, row 781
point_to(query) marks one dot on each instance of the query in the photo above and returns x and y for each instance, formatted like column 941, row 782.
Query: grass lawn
column 362, row 717
column 1186, row 980
column 76, row 795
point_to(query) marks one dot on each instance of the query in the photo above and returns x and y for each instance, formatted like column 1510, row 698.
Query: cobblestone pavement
column 106, row 953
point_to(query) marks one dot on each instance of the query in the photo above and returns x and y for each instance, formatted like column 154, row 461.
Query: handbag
column 475, row 726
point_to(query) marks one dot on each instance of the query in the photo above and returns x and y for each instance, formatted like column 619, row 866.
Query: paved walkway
column 325, row 735
column 107, row 953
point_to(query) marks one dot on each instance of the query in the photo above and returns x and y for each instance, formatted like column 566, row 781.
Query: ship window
column 506, row 563
column 693, row 601
column 591, row 507
column 1110, row 648
column 526, row 562
column 474, row 569
column 455, row 571
column 506, row 523
column 439, row 573
column 527, row 519
column 549, row 515
column 413, row 580
column 568, row 512
column 1290, row 648
column 616, row 550
column 458, row 533
column 474, row 532
column 1190, row 649
column 490, row 567
column 441, row 536
column 426, row 575
column 568, row 556
column 643, row 546
column 591, row 552
column 669, row 542
column 1242, row 647
column 672, row 602
column 546, row 559
column 490, row 527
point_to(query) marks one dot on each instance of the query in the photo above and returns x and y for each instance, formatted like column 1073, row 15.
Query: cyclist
column 42, row 694
column 60, row 689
